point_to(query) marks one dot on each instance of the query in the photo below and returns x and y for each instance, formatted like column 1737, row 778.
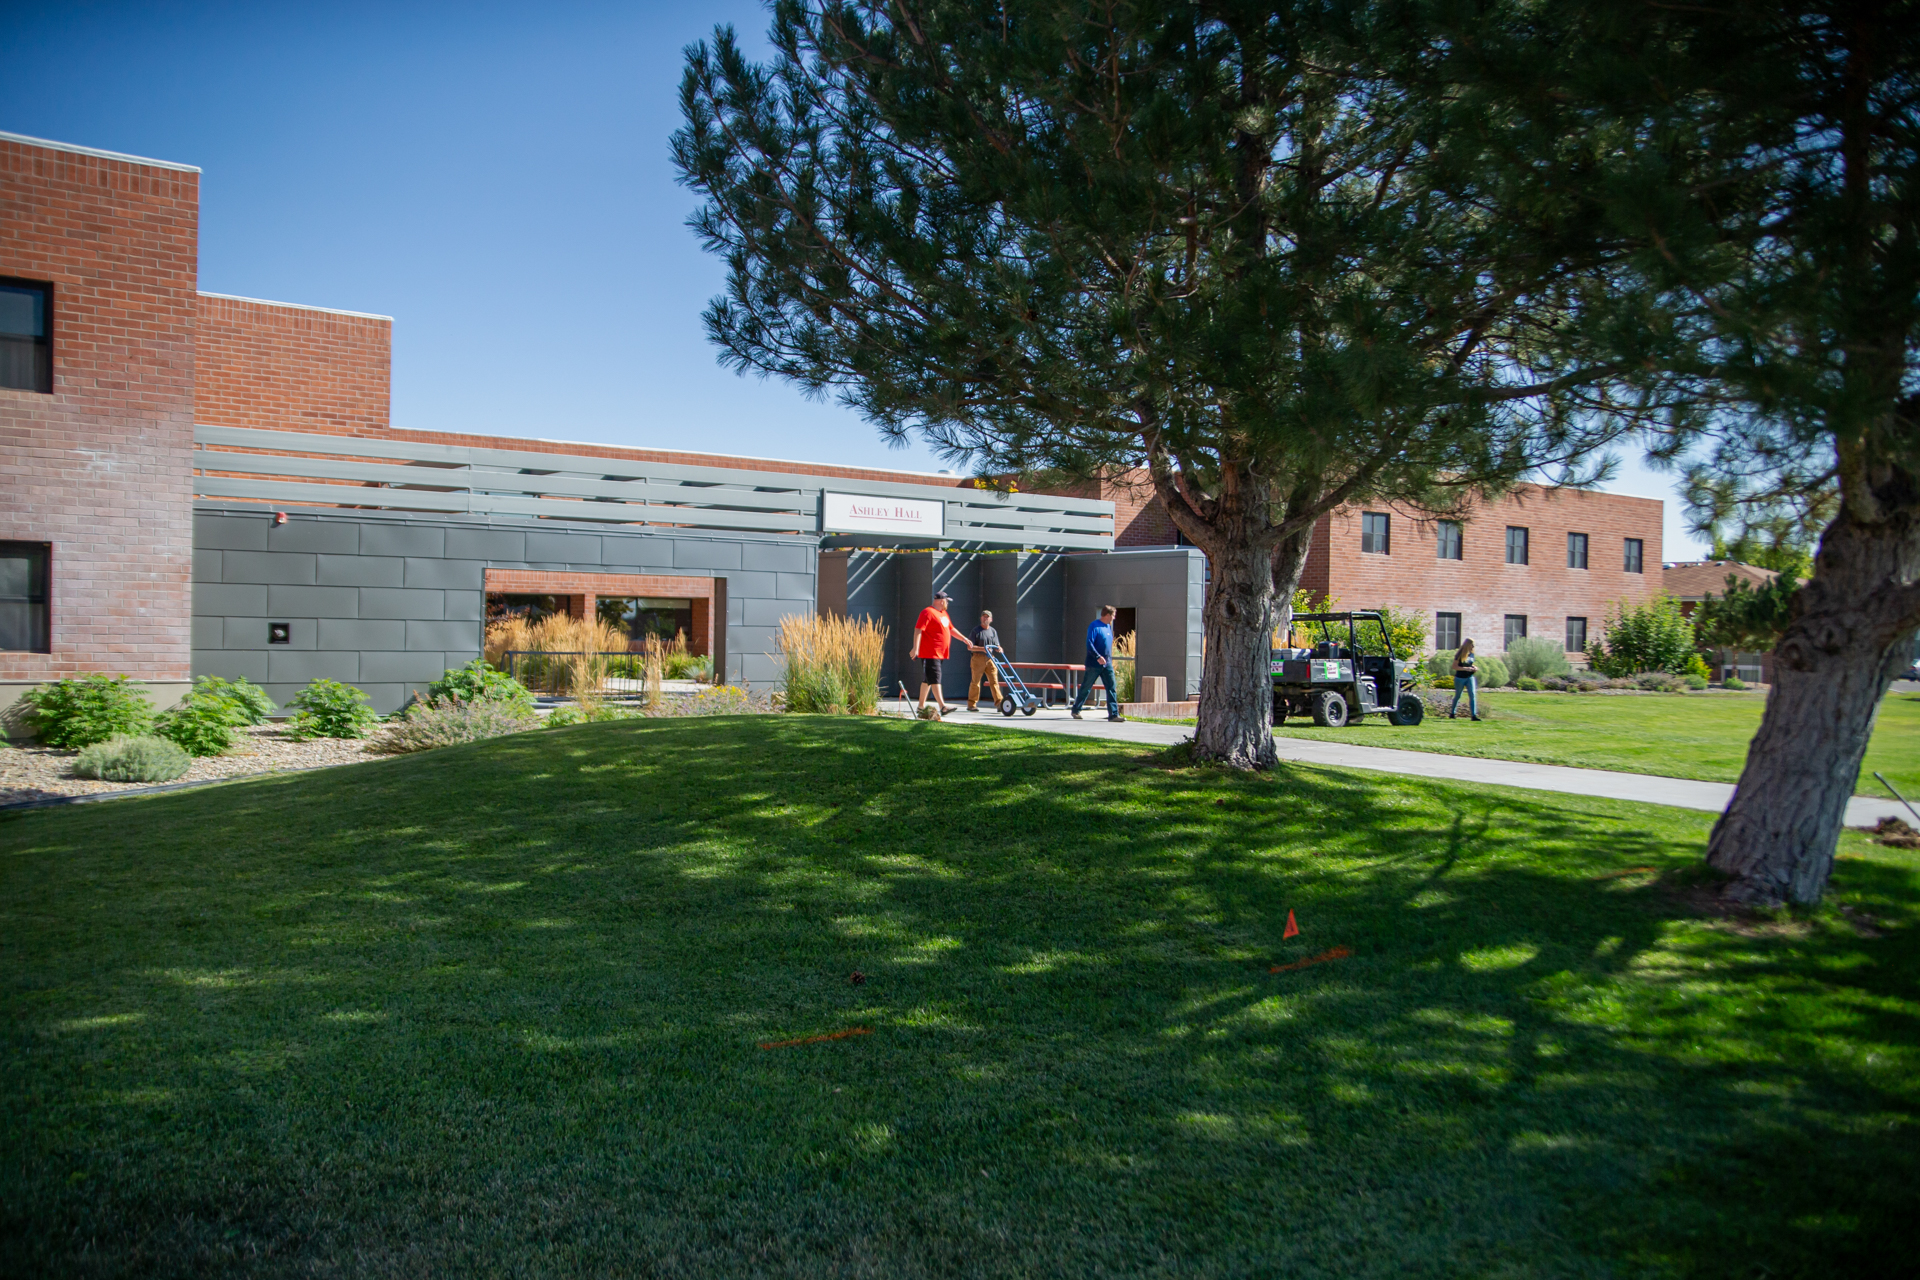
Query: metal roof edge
column 97, row 153
column 295, row 306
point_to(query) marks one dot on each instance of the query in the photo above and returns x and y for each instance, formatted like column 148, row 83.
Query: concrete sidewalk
column 1645, row 788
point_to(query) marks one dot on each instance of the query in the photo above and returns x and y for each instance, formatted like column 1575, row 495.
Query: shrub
column 477, row 681
column 1694, row 682
column 446, row 722
column 1126, row 675
column 833, row 664
column 1529, row 684
column 329, row 709
column 253, row 703
column 1406, row 632
column 1537, row 656
column 132, row 759
column 202, row 723
column 688, row 666
column 1654, row 636
column 82, row 710
column 721, row 700
column 590, row 713
column 1697, row 666
column 1659, row 682
column 1492, row 671
column 1733, row 682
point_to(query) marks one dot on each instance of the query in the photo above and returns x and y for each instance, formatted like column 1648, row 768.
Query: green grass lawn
column 495, row 1010
column 1699, row 735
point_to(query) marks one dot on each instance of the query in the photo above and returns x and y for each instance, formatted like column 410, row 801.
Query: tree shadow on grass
column 503, row 1003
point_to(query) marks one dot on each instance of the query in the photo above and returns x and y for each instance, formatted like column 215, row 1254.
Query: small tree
column 1249, row 249
column 1654, row 636
column 1746, row 616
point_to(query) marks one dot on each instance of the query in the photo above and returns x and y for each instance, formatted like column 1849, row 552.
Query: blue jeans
column 1468, row 685
column 1105, row 676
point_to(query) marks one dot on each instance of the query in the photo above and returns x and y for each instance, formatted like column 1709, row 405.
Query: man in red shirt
column 931, row 635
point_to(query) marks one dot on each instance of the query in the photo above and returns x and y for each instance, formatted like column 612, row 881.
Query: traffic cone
column 1292, row 930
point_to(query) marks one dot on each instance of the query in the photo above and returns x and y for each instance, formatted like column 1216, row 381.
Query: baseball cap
column 941, row 595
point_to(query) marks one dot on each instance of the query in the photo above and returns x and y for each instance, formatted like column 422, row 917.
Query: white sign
column 903, row 517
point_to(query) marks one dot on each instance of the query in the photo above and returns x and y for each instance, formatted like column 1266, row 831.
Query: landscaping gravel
column 42, row 773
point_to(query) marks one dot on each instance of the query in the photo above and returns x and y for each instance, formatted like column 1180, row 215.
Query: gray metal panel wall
column 1167, row 591
column 873, row 593
column 386, row 601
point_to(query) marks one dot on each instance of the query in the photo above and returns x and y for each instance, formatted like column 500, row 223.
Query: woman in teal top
column 1465, row 680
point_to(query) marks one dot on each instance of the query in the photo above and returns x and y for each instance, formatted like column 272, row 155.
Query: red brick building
column 98, row 261
column 1544, row 562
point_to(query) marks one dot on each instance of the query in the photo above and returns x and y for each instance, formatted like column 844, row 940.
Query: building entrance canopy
column 410, row 475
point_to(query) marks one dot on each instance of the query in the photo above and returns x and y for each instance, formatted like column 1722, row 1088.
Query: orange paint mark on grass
column 831, row 1035
column 1338, row 953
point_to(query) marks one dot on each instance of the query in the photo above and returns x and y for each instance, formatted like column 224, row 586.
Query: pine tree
column 1248, row 247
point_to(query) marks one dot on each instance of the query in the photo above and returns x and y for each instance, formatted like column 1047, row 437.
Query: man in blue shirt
column 1100, row 664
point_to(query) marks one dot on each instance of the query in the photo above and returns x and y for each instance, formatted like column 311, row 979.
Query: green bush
column 254, row 704
column 1654, row 636
column 1659, row 682
column 477, row 680
column 132, row 759
column 1406, row 632
column 446, row 722
column 1733, row 682
column 1537, row 657
column 1694, row 682
column 329, row 709
column 594, row 713
column 1697, row 666
column 688, row 666
column 1492, row 671
column 202, row 724
column 1529, row 684
column 82, row 710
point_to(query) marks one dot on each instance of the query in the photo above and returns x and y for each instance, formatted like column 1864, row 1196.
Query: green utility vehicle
column 1337, row 679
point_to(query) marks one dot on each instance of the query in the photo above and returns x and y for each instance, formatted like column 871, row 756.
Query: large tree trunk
column 1832, row 666
column 1236, row 683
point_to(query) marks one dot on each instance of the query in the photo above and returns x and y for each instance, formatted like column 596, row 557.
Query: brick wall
column 1481, row 586
column 100, row 468
column 282, row 367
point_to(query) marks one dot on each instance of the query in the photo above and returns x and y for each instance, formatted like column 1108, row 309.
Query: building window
column 26, row 335
column 23, row 597
column 1576, row 635
column 644, row 617
column 1373, row 533
column 1516, row 628
column 1576, row 551
column 1516, row 544
column 1633, row 556
column 1449, row 540
column 1446, row 631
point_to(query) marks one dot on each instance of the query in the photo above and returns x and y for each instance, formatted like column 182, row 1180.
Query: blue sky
column 496, row 178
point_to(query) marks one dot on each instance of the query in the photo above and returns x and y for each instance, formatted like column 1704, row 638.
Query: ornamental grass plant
column 1126, row 667
column 566, row 654
column 449, row 721
column 832, row 664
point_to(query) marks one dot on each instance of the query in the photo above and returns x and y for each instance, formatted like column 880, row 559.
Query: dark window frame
column 1372, row 543
column 1633, row 555
column 43, row 356
column 1448, row 535
column 45, row 600
column 1568, row 643
column 1577, row 547
column 1507, row 636
column 1439, row 630
column 1526, row 543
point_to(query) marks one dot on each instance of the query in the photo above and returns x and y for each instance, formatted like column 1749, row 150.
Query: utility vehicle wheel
column 1329, row 709
column 1006, row 706
column 1409, row 712
column 1029, row 709
column 1279, row 712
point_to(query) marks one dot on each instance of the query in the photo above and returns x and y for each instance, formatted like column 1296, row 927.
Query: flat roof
column 295, row 306
column 703, row 453
column 51, row 145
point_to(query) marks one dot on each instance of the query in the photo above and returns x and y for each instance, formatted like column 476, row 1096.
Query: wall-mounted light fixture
column 279, row 633
column 279, row 518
